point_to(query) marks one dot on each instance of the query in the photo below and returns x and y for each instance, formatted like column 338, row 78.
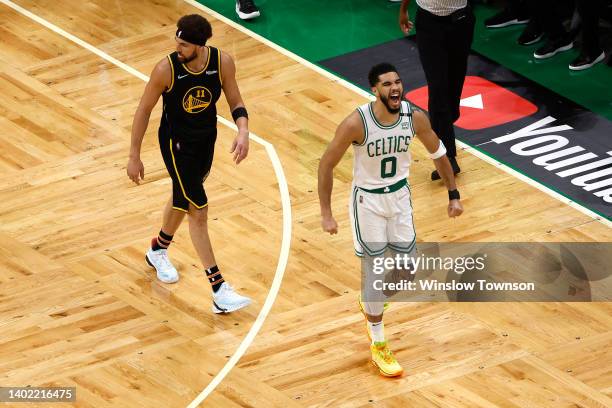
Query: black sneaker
column 456, row 169
column 246, row 9
column 585, row 61
column 552, row 47
column 505, row 18
column 531, row 34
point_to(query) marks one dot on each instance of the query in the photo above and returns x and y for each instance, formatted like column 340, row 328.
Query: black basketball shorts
column 188, row 162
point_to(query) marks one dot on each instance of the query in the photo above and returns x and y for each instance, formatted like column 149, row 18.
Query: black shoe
column 505, row 18
column 246, row 9
column 531, row 34
column 552, row 47
column 585, row 61
column 456, row 169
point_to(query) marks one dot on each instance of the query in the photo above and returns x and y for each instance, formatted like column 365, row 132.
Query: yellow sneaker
column 383, row 358
column 385, row 307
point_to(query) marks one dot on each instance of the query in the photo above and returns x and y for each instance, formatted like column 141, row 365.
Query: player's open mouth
column 394, row 97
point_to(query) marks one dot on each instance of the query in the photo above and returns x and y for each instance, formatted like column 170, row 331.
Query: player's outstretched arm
column 160, row 80
column 437, row 152
column 349, row 131
column 240, row 146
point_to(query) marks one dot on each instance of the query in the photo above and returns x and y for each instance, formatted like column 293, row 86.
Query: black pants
column 444, row 45
column 518, row 7
column 590, row 11
column 550, row 14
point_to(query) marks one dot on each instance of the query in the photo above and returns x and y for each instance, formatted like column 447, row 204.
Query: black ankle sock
column 162, row 241
column 214, row 277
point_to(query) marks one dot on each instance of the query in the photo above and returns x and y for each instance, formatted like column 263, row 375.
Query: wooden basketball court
column 79, row 307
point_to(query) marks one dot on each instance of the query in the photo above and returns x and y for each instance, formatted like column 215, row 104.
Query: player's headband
column 191, row 36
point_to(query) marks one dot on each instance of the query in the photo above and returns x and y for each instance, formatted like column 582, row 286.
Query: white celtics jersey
column 383, row 158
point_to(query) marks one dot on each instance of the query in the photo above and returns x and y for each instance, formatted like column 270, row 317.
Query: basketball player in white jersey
column 380, row 208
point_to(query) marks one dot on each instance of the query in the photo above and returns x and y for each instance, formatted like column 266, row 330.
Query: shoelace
column 165, row 261
column 225, row 288
column 386, row 353
column 388, row 356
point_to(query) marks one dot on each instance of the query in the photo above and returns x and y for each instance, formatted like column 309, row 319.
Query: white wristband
column 439, row 153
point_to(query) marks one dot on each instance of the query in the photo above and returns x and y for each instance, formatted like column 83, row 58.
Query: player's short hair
column 194, row 28
column 379, row 69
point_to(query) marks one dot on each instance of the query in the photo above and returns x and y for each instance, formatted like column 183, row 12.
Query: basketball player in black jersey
column 190, row 82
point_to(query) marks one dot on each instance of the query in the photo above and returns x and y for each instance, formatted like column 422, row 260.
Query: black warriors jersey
column 190, row 110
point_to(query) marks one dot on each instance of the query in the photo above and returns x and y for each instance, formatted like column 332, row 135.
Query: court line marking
column 282, row 184
column 346, row 84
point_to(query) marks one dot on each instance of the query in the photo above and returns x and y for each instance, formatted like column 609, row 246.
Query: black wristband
column 239, row 113
column 453, row 195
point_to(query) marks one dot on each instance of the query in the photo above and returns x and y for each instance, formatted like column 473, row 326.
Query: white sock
column 377, row 331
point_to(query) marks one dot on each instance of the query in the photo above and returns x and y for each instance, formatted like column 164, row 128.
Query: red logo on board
column 484, row 104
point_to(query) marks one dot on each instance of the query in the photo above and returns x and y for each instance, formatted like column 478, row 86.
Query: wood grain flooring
column 79, row 307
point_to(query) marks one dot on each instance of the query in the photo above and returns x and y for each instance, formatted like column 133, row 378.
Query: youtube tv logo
column 484, row 104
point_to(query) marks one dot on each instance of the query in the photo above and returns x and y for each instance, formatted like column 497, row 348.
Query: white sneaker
column 226, row 300
column 166, row 272
column 246, row 9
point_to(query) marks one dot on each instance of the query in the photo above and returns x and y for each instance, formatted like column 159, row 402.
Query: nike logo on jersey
column 210, row 72
column 182, row 76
